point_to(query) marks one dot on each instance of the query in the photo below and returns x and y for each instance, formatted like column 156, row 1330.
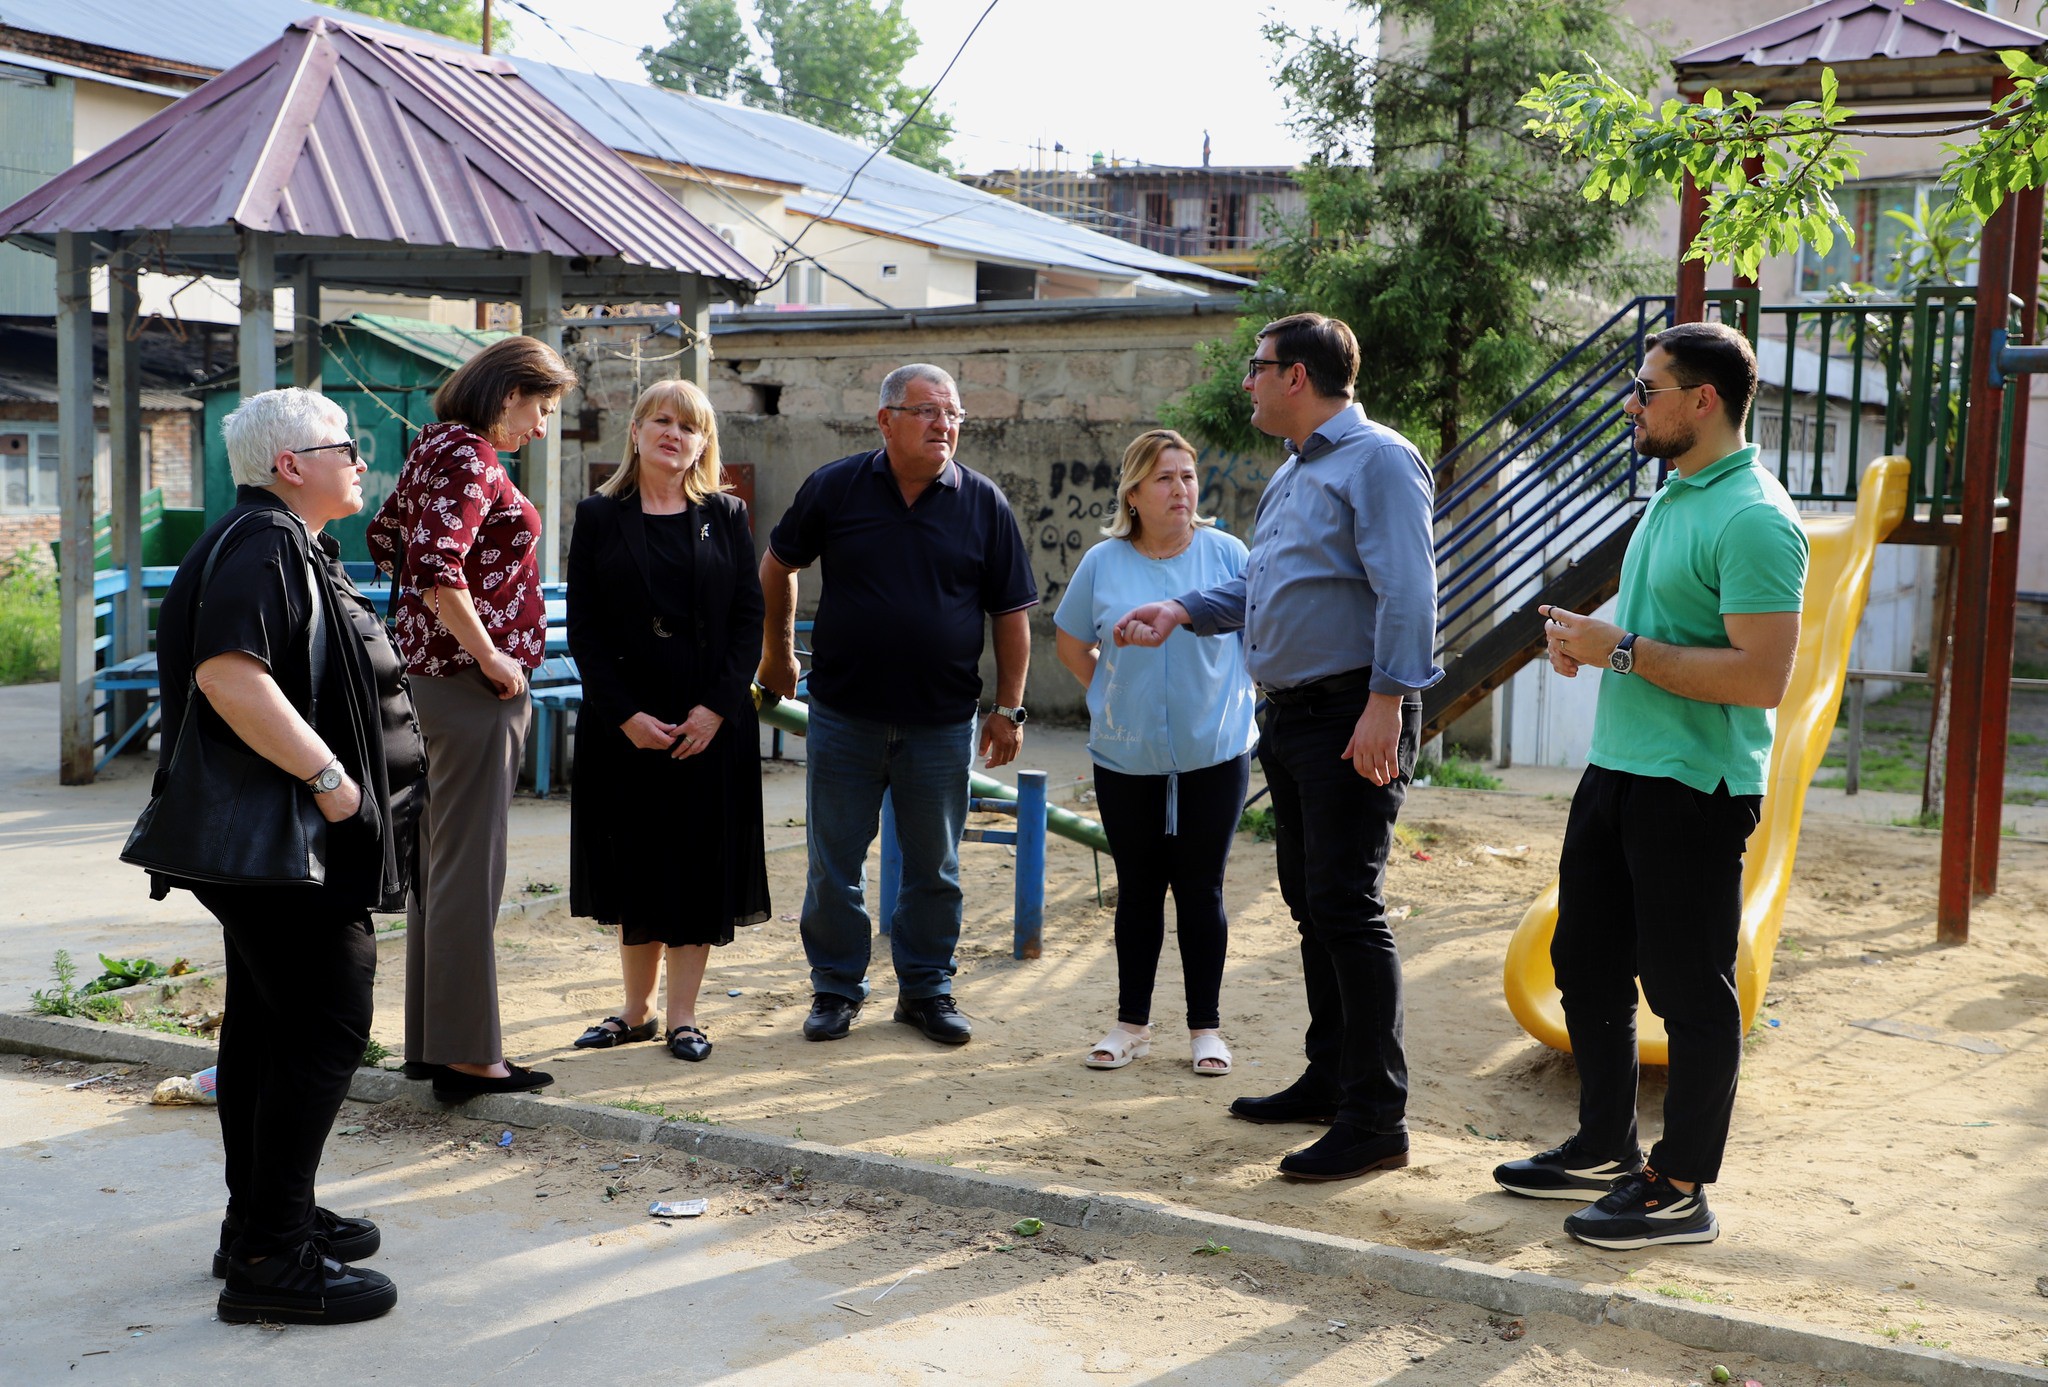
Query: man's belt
column 1316, row 690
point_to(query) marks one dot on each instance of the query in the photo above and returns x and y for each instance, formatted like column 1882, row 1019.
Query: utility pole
column 487, row 28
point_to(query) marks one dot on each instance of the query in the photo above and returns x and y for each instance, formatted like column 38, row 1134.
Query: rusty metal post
column 2005, row 575
column 1959, row 826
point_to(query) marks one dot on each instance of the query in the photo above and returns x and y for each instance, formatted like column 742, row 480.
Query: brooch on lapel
column 705, row 533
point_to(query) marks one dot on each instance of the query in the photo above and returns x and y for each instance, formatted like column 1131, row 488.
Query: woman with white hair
column 665, row 624
column 285, row 672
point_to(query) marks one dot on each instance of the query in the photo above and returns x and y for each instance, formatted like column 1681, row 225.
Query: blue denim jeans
column 849, row 763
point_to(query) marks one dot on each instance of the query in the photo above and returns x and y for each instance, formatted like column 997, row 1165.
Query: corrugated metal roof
column 1849, row 31
column 348, row 133
column 24, row 387
column 444, row 344
column 662, row 124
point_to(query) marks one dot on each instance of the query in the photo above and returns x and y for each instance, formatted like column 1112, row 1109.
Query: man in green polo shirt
column 1650, row 880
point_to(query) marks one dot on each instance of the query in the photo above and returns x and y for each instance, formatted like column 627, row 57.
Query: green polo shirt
column 1725, row 539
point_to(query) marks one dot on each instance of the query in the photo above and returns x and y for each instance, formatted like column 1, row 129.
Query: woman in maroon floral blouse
column 463, row 546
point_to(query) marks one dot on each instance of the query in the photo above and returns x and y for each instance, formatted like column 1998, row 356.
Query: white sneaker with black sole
column 1563, row 1172
column 1643, row 1211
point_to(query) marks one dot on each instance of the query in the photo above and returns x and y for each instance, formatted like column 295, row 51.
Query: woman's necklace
column 1175, row 552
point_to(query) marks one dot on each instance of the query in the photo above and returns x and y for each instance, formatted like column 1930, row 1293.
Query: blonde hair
column 691, row 407
column 1139, row 459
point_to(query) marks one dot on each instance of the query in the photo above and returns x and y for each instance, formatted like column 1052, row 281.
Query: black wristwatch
column 1622, row 659
column 329, row 778
column 1016, row 715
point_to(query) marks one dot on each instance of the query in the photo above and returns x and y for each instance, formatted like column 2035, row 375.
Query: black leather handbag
column 222, row 815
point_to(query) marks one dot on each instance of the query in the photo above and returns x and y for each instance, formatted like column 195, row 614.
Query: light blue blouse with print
column 1180, row 706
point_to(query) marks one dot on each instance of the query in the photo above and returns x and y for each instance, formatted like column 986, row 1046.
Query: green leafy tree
column 1633, row 147
column 458, row 19
column 1456, row 243
column 836, row 63
column 708, row 52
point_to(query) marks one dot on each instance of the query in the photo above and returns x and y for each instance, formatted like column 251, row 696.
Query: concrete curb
column 1323, row 1254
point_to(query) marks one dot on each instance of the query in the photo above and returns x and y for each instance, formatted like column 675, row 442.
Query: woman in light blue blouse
column 1171, row 735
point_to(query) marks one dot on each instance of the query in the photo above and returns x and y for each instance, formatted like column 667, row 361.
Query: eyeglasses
column 1643, row 390
column 354, row 453
column 1257, row 363
column 930, row 414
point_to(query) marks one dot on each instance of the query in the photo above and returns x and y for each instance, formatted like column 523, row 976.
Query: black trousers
column 299, row 972
column 1650, row 887
column 1333, row 829
column 1189, row 862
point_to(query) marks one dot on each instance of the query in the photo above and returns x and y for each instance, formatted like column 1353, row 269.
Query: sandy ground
column 540, row 1260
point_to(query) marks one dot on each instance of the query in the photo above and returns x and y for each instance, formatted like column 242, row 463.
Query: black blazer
column 611, row 610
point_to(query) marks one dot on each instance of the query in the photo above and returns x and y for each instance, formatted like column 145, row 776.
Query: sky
column 1138, row 78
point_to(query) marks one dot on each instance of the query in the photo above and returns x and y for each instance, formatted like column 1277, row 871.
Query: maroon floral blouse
column 459, row 522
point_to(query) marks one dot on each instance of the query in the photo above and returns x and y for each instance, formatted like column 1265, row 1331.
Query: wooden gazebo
column 346, row 157
column 1925, row 63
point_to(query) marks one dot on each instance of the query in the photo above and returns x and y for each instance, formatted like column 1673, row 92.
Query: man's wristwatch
column 1622, row 659
column 1016, row 715
column 329, row 778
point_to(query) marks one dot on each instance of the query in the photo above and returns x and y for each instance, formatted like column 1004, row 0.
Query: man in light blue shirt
column 1338, row 609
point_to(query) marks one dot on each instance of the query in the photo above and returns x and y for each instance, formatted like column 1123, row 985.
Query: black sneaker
column 938, row 1017
column 303, row 1287
column 1645, row 1209
column 1563, row 1172
column 343, row 1239
column 832, row 1016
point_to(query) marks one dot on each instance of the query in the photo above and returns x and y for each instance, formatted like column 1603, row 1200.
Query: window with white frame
column 31, row 478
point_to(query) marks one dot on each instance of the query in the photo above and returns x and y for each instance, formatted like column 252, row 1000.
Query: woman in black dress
column 665, row 624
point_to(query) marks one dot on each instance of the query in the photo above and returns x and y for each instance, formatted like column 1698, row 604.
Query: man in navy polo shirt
column 917, row 550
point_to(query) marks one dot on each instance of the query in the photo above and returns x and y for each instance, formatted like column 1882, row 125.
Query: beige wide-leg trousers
column 474, row 745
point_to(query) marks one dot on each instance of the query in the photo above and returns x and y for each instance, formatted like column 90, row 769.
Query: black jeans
column 1190, row 862
column 1650, row 886
column 299, row 973
column 1333, row 829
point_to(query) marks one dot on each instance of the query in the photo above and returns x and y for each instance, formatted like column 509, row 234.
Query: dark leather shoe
column 614, row 1030
column 1345, row 1153
column 688, row 1043
column 303, row 1287
column 417, row 1070
column 938, row 1017
column 1300, row 1101
column 345, row 1239
column 454, row 1086
column 832, row 1016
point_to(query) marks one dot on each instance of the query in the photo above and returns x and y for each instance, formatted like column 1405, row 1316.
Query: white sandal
column 1211, row 1047
column 1121, row 1046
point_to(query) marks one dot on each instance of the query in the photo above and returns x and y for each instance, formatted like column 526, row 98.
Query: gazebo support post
column 540, row 316
column 74, row 452
column 306, row 362
column 124, row 437
column 693, row 305
column 256, row 263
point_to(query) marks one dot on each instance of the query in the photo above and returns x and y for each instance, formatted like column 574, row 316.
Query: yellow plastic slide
column 1837, row 585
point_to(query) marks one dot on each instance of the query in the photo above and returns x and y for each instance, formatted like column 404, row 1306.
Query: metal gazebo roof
column 399, row 164
column 1917, row 51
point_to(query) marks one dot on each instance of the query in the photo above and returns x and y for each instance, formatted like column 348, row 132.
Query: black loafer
column 417, row 1070
column 1345, row 1153
column 688, row 1043
column 832, row 1016
column 603, row 1037
column 454, row 1086
column 344, row 1239
column 938, row 1017
column 303, row 1287
column 1300, row 1101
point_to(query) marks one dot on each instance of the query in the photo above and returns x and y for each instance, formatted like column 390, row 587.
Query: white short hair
column 276, row 421
column 896, row 385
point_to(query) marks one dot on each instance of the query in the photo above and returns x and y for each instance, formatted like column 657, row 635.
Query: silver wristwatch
column 1016, row 715
column 1622, row 659
column 329, row 778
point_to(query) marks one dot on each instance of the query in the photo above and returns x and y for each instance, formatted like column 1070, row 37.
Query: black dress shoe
column 613, row 1030
column 1346, row 1152
column 688, row 1043
column 1300, row 1101
column 938, row 1017
column 454, row 1086
column 832, row 1016
column 345, row 1239
column 420, row 1069
column 303, row 1286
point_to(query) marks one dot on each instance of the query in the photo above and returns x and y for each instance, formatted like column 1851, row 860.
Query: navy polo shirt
column 899, row 628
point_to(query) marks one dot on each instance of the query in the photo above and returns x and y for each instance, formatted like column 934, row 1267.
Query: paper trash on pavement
column 678, row 1208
